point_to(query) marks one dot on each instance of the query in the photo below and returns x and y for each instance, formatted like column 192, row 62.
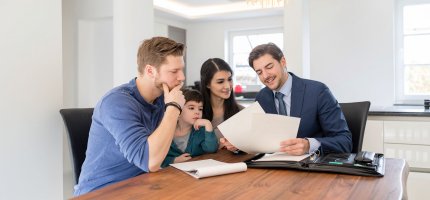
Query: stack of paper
column 253, row 131
column 278, row 156
column 209, row 167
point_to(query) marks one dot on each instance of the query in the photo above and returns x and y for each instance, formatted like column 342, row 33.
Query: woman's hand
column 225, row 143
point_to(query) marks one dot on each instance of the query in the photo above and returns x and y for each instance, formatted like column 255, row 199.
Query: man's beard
column 159, row 84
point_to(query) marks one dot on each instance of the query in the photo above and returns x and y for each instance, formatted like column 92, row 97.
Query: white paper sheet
column 281, row 156
column 209, row 167
column 253, row 131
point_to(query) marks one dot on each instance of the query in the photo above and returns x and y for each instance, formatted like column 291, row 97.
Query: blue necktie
column 282, row 107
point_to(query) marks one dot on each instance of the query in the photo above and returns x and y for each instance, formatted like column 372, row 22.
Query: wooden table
column 170, row 183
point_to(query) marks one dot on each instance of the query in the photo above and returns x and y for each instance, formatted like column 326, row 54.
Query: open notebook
column 209, row 167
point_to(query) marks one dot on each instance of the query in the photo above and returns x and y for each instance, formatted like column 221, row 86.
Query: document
column 253, row 131
column 209, row 167
column 280, row 156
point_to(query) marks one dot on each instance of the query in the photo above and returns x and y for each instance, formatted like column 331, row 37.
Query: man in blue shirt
column 133, row 124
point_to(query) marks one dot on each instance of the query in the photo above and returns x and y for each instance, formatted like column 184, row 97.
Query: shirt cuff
column 314, row 145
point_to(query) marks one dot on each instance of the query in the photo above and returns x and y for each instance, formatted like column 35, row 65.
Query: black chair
column 78, row 123
column 356, row 117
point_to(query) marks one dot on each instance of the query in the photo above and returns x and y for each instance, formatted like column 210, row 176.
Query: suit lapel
column 297, row 95
column 268, row 102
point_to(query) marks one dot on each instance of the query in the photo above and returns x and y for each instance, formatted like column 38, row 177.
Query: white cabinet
column 418, row 185
column 407, row 132
column 417, row 156
column 406, row 138
column 400, row 137
column 374, row 136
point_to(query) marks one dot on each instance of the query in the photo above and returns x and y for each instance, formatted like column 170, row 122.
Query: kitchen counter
column 410, row 111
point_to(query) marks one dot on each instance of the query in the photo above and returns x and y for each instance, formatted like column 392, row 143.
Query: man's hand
column 225, row 143
column 203, row 122
column 174, row 95
column 182, row 158
column 296, row 146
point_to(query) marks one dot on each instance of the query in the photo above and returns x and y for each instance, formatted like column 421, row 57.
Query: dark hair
column 264, row 49
column 207, row 72
column 155, row 50
column 192, row 95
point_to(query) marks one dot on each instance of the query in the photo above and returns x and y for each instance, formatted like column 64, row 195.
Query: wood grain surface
column 170, row 183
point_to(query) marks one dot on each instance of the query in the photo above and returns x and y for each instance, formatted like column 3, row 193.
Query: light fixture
column 266, row 3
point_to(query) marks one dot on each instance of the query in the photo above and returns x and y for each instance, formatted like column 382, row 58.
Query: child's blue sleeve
column 167, row 161
column 210, row 143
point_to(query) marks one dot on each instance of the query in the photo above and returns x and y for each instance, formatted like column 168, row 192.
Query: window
column 413, row 51
column 240, row 44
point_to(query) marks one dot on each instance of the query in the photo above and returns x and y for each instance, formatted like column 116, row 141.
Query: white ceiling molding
column 214, row 9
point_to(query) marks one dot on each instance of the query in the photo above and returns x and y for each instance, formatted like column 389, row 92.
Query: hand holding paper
column 253, row 131
column 295, row 146
column 227, row 144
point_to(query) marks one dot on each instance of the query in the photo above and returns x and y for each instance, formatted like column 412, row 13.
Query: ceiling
column 197, row 3
column 198, row 10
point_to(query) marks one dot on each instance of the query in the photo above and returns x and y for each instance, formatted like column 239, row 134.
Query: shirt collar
column 286, row 88
column 158, row 102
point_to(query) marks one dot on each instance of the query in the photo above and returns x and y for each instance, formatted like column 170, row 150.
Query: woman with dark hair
column 219, row 102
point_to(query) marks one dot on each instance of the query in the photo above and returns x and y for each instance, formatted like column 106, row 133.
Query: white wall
column 351, row 48
column 87, row 62
column 91, row 29
column 133, row 21
column 31, row 95
column 296, row 37
column 95, row 60
column 161, row 25
column 96, row 15
column 207, row 40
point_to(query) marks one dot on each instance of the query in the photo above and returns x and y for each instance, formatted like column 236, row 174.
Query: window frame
column 400, row 96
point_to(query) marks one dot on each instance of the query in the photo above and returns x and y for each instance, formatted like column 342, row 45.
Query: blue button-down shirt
column 117, row 144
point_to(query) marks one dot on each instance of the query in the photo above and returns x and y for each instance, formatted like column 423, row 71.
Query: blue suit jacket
column 320, row 113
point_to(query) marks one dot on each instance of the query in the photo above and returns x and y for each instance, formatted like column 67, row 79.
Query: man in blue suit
column 322, row 126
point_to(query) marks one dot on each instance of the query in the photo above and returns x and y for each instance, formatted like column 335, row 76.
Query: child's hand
column 203, row 122
column 182, row 158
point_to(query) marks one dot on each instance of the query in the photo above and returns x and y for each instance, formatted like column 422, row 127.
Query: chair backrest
column 78, row 123
column 356, row 117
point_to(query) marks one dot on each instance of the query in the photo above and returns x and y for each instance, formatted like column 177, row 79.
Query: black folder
column 344, row 163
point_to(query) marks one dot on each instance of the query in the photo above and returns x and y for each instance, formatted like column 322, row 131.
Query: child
column 194, row 136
